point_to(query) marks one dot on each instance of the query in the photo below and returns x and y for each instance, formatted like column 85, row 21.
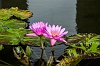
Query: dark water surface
column 77, row 16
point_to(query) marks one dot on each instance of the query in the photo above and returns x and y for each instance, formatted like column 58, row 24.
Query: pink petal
column 62, row 30
column 62, row 39
column 53, row 28
column 59, row 28
column 63, row 33
column 47, row 36
column 48, row 29
column 52, row 41
column 31, row 34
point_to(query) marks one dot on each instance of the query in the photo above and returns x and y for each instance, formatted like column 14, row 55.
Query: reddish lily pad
column 72, row 61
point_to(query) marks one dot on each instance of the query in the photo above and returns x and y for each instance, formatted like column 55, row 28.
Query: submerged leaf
column 1, row 47
column 28, row 51
column 21, row 56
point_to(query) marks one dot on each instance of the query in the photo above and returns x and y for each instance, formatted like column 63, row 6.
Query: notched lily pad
column 4, row 14
column 14, row 11
column 23, row 14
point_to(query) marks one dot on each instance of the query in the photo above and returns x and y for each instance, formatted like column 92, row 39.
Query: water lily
column 38, row 29
column 55, row 33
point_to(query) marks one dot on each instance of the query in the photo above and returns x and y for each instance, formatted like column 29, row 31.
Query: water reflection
column 88, row 16
column 22, row 4
column 61, row 12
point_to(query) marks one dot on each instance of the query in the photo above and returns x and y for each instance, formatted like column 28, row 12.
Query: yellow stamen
column 55, row 33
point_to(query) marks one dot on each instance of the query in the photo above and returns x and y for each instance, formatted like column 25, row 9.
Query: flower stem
column 53, row 48
column 43, row 51
column 41, row 54
column 53, row 54
column 41, row 43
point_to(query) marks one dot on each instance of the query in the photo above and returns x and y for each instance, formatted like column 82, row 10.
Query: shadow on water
column 21, row 4
column 88, row 16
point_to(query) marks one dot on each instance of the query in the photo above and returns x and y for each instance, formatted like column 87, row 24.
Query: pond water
column 58, row 12
column 77, row 16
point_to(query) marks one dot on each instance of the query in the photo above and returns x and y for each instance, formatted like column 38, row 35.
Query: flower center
column 55, row 34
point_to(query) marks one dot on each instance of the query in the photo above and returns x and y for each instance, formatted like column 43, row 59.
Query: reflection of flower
column 55, row 33
column 38, row 28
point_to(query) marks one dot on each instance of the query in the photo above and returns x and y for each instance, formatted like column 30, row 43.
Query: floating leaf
column 14, row 11
column 3, row 29
column 12, row 36
column 79, row 37
column 23, row 14
column 33, row 41
column 72, row 61
column 4, row 14
column 13, row 23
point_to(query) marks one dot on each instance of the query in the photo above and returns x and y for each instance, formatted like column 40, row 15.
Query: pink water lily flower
column 38, row 29
column 55, row 33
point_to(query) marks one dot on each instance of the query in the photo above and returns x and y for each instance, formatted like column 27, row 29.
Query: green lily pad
column 13, row 23
column 12, row 36
column 3, row 29
column 4, row 14
column 33, row 41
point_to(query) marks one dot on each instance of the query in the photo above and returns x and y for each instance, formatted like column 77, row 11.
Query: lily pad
column 13, row 23
column 12, row 36
column 66, row 61
column 2, row 29
column 33, row 41
column 79, row 37
column 5, row 14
